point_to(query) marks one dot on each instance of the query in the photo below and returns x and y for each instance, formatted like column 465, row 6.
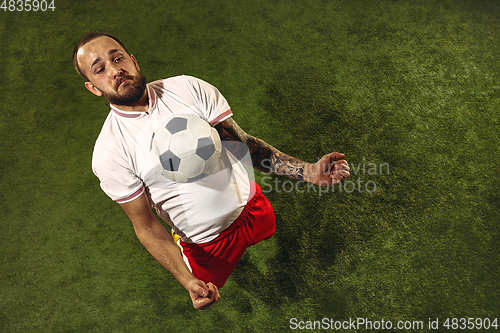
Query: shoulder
column 107, row 129
column 109, row 140
column 181, row 82
column 173, row 81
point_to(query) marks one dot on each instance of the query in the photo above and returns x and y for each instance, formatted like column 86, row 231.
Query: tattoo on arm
column 265, row 158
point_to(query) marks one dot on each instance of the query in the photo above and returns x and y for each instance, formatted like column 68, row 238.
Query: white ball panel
column 212, row 163
column 161, row 141
column 183, row 144
column 192, row 166
column 216, row 139
column 175, row 176
column 199, row 127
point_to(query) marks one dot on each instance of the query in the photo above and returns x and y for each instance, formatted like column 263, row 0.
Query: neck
column 142, row 105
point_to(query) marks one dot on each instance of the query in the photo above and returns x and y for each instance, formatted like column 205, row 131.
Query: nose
column 116, row 71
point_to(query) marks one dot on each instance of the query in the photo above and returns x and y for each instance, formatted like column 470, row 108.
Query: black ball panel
column 169, row 161
column 176, row 125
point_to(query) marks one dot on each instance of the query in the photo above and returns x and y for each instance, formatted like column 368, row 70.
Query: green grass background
column 409, row 84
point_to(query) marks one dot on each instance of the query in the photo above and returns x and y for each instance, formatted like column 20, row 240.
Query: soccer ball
column 185, row 148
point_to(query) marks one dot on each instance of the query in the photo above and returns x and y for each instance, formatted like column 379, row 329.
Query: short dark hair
column 84, row 40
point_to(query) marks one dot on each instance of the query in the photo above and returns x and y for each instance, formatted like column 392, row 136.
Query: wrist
column 188, row 282
column 309, row 173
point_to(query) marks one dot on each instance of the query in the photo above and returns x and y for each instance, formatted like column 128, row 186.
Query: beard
column 134, row 93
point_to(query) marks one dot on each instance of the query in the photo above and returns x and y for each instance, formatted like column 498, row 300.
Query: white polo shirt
column 197, row 211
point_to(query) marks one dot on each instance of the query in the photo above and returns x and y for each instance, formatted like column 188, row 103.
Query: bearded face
column 111, row 72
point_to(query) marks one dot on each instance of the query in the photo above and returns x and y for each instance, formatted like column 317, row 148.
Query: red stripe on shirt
column 221, row 117
column 134, row 195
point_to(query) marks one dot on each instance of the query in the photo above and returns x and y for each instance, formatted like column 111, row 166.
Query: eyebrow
column 110, row 52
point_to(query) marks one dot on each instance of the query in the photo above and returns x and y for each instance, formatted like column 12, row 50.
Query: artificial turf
column 408, row 90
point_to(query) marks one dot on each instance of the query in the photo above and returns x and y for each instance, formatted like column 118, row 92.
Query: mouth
column 122, row 82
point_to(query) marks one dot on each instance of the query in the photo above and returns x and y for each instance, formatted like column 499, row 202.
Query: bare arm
column 161, row 246
column 330, row 169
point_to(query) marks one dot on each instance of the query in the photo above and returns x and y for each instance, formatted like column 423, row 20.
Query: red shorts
column 215, row 260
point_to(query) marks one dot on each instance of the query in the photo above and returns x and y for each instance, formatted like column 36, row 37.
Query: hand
column 203, row 295
column 329, row 170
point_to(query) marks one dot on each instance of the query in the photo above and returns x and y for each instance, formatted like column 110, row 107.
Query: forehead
column 95, row 49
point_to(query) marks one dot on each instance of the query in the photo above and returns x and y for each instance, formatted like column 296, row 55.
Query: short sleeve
column 211, row 102
column 116, row 178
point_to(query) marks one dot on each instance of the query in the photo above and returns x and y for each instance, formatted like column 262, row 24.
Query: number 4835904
column 27, row 5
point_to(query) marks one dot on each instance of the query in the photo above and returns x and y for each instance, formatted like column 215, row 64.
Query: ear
column 135, row 62
column 93, row 88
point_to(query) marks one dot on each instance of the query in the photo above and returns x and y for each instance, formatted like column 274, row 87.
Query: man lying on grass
column 215, row 221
